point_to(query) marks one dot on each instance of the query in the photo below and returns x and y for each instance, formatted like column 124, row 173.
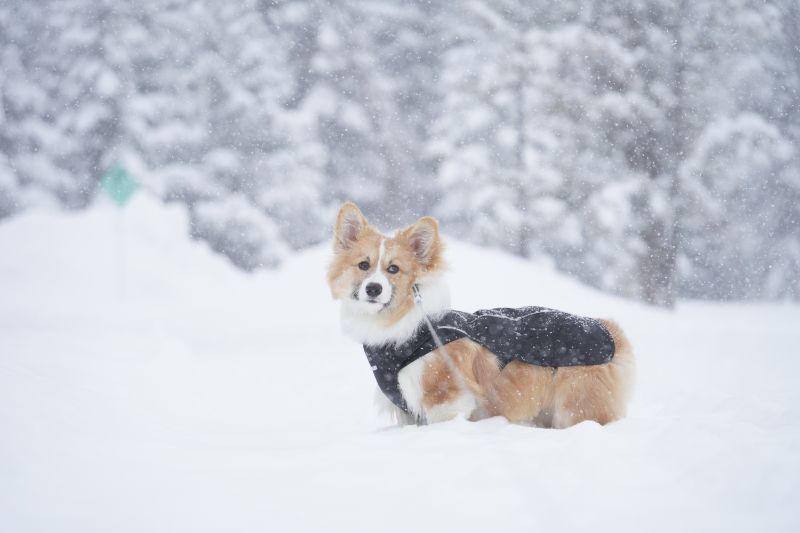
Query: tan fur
column 343, row 272
column 463, row 363
column 562, row 397
column 522, row 393
column 542, row 396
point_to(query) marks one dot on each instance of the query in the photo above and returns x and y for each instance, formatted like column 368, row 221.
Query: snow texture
column 207, row 399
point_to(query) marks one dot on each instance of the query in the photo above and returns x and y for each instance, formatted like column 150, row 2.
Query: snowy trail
column 211, row 400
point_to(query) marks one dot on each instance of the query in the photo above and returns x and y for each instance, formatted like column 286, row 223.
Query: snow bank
column 206, row 399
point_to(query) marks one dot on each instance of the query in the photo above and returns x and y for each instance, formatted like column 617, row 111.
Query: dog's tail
column 624, row 362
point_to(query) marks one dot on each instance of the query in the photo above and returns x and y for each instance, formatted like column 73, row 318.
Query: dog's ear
column 423, row 238
column 349, row 225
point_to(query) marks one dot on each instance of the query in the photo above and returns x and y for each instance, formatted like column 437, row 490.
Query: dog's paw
column 463, row 406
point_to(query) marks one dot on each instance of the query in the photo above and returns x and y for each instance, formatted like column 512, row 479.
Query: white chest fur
column 410, row 381
column 367, row 329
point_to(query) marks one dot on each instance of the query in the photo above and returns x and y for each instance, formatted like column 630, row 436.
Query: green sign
column 119, row 185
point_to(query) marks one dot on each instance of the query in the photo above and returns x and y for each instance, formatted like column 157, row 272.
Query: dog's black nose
column 373, row 289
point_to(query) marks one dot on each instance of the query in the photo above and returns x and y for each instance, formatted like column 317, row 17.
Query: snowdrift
column 180, row 394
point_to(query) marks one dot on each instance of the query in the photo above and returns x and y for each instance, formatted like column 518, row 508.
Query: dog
column 377, row 279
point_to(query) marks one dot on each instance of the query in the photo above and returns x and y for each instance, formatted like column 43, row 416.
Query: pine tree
column 58, row 104
column 649, row 147
column 533, row 134
column 366, row 73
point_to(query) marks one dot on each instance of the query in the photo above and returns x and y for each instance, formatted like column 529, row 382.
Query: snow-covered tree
column 739, row 189
column 235, row 227
column 649, row 147
column 8, row 188
column 208, row 119
column 366, row 74
column 58, row 103
column 533, row 133
column 605, row 105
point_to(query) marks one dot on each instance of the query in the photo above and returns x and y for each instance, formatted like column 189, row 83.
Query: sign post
column 120, row 187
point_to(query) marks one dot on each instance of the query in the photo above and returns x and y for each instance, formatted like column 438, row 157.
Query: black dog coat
column 534, row 335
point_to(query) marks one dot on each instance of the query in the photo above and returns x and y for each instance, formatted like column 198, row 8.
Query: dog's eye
column 364, row 265
column 393, row 269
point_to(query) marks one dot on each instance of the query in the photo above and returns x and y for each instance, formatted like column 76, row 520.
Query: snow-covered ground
column 206, row 399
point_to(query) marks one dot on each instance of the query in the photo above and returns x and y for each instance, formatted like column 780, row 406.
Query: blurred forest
column 649, row 147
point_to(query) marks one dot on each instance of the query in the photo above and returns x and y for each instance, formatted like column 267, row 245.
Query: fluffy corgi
column 530, row 365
